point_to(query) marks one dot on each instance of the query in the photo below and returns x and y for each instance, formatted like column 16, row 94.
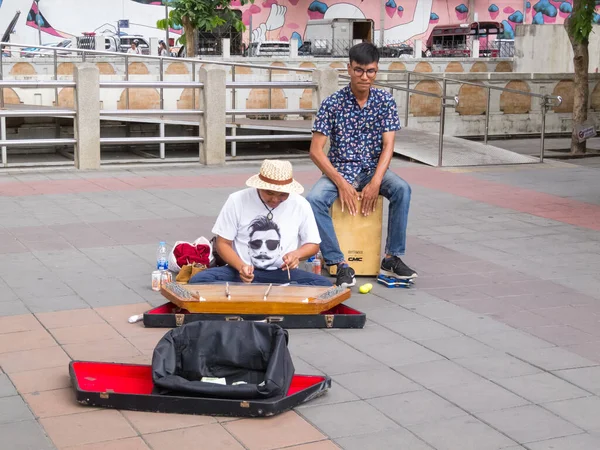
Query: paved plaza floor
column 497, row 346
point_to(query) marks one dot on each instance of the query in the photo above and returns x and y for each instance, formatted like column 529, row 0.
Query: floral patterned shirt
column 355, row 134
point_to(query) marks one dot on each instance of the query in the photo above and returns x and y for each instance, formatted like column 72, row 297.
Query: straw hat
column 275, row 175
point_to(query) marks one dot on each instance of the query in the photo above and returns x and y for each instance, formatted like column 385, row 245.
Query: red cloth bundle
column 188, row 254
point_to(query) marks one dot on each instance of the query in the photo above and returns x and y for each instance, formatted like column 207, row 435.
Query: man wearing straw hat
column 264, row 231
column 361, row 123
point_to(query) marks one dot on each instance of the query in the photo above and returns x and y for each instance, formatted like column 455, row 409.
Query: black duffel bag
column 234, row 360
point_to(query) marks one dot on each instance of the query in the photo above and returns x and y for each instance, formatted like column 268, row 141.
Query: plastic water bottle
column 316, row 264
column 308, row 264
column 161, row 256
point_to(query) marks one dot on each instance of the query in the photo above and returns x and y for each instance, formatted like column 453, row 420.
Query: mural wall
column 278, row 19
column 403, row 19
column 60, row 19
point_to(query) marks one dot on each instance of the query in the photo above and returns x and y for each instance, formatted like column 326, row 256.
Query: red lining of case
column 169, row 308
column 137, row 379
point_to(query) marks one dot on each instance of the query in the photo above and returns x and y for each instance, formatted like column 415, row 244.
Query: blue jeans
column 394, row 188
column 227, row 273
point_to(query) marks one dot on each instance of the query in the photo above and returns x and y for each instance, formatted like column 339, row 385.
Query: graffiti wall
column 403, row 19
column 55, row 20
column 278, row 19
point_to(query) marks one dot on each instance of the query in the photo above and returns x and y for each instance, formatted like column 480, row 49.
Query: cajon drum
column 359, row 238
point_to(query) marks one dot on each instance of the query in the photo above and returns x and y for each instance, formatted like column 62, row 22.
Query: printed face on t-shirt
column 264, row 248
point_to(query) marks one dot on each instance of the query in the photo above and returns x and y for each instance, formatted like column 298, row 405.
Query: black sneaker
column 345, row 276
column 394, row 267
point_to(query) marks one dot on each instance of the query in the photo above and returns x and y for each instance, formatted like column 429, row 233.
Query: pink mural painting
column 404, row 19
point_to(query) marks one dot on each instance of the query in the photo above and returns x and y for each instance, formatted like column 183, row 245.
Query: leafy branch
column 203, row 15
column 580, row 22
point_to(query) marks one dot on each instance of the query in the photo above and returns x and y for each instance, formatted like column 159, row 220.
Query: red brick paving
column 539, row 204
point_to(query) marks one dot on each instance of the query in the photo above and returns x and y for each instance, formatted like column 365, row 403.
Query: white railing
column 322, row 88
column 210, row 133
column 546, row 102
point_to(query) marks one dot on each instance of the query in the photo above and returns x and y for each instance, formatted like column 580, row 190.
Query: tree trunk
column 191, row 38
column 581, row 90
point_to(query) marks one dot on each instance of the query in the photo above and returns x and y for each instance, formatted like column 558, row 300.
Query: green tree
column 579, row 26
column 203, row 15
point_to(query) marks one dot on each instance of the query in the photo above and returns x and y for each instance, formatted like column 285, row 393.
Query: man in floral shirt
column 361, row 123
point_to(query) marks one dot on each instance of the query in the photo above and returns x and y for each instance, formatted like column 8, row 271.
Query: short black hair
column 262, row 223
column 364, row 53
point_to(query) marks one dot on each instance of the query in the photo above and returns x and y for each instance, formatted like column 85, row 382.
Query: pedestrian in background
column 134, row 50
column 162, row 49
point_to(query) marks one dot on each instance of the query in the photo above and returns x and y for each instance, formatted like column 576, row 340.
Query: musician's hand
column 290, row 261
column 369, row 197
column 348, row 197
column 247, row 273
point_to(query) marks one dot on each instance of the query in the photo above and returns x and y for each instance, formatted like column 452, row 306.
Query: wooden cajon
column 359, row 238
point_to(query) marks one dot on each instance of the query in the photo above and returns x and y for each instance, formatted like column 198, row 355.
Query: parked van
column 270, row 48
column 91, row 41
column 112, row 43
column 457, row 40
column 334, row 37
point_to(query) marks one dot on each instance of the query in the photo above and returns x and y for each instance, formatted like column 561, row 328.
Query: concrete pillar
column 154, row 46
column 294, row 48
column 327, row 83
column 475, row 51
column 99, row 43
column 212, row 122
column 87, row 121
column 226, row 48
column 399, row 95
column 417, row 48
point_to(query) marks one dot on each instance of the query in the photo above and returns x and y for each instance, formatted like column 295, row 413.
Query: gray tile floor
column 497, row 346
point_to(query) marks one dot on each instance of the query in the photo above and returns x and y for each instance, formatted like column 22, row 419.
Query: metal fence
column 506, row 48
column 546, row 102
column 446, row 101
column 161, row 85
column 339, row 48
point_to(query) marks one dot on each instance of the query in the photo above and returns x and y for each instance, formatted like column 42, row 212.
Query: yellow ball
column 365, row 288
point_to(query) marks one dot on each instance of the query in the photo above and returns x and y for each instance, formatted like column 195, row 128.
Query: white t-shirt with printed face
column 262, row 242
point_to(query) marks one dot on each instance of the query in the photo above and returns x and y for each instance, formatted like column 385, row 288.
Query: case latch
column 234, row 319
column 179, row 319
column 329, row 320
column 274, row 319
column 106, row 394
